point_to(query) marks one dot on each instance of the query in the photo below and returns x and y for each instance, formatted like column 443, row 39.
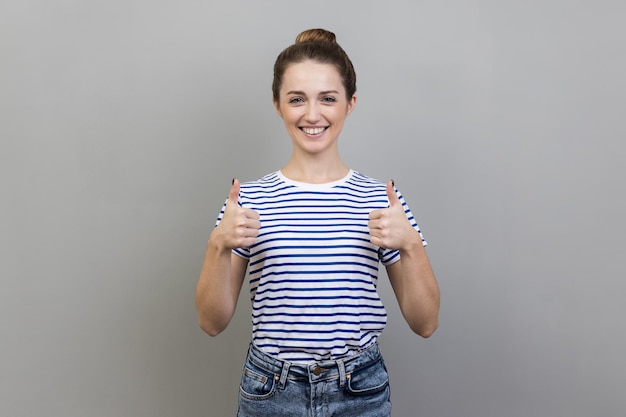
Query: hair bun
column 316, row 35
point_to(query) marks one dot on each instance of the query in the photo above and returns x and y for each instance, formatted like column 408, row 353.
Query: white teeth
column 313, row 131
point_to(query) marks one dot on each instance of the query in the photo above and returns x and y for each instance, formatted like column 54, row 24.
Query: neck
column 315, row 171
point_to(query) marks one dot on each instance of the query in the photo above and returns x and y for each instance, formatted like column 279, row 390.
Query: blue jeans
column 356, row 386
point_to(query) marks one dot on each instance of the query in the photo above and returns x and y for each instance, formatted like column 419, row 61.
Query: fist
column 390, row 228
column 239, row 226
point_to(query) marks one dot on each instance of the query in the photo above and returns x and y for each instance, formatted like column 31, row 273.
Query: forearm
column 217, row 290
column 417, row 291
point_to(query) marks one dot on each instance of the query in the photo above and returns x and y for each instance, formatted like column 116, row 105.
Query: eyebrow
column 301, row 93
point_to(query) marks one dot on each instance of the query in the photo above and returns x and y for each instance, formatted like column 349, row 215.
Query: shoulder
column 267, row 184
column 270, row 178
column 364, row 182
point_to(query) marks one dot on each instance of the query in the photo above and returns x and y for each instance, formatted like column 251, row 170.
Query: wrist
column 414, row 245
column 217, row 243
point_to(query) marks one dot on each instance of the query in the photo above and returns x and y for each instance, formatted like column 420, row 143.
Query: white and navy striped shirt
column 313, row 270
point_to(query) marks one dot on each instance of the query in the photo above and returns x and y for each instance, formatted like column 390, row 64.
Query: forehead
column 310, row 76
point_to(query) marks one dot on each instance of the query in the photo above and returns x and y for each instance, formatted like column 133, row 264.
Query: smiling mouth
column 313, row 130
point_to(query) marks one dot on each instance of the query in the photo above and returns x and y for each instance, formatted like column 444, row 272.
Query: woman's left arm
column 412, row 277
column 414, row 284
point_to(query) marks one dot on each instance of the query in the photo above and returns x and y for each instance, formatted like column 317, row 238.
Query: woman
column 312, row 235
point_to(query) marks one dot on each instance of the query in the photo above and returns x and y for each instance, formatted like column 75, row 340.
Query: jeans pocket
column 257, row 383
column 368, row 380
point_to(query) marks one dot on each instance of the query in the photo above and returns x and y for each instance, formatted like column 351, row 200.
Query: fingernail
column 393, row 183
column 233, row 182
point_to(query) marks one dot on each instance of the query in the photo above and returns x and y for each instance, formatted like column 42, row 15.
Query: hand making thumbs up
column 390, row 228
column 239, row 226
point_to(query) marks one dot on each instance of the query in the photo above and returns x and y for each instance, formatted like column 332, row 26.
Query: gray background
column 122, row 124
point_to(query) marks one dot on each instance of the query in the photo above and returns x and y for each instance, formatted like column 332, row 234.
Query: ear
column 277, row 108
column 351, row 104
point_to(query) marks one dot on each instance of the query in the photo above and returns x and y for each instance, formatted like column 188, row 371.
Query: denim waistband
column 315, row 371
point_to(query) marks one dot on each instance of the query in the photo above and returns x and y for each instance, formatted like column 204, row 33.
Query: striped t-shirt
column 313, row 271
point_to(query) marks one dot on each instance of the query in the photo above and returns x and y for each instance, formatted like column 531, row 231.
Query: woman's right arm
column 223, row 272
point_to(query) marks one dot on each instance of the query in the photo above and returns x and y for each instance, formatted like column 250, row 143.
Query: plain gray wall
column 122, row 124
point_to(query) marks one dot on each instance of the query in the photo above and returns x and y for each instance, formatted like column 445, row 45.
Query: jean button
column 317, row 370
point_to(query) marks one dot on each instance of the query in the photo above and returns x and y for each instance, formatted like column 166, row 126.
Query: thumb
column 391, row 194
column 233, row 195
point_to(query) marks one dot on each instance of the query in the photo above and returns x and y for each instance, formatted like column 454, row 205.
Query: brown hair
column 317, row 45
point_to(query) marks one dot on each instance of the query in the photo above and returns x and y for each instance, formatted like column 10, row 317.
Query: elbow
column 425, row 330
column 429, row 331
column 210, row 328
column 213, row 322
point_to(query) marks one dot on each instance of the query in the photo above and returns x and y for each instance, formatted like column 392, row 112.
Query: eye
column 296, row 100
column 329, row 99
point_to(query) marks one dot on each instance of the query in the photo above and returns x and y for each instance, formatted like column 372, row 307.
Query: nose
column 312, row 112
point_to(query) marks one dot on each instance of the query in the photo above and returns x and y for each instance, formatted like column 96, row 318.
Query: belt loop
column 283, row 375
column 342, row 373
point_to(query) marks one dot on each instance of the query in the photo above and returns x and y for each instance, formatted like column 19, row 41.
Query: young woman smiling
column 311, row 237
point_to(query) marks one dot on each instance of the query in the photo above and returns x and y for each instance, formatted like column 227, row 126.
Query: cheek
column 340, row 117
column 289, row 117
